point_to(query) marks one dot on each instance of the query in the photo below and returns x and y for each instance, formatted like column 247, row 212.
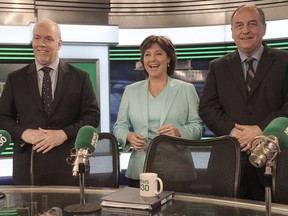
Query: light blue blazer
column 180, row 109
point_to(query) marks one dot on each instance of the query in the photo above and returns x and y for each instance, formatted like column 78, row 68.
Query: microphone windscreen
column 278, row 128
column 5, row 140
column 87, row 137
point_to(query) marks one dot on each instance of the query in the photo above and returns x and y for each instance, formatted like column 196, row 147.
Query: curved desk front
column 38, row 200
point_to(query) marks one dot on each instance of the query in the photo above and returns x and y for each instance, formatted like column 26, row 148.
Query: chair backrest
column 207, row 167
column 280, row 178
column 104, row 166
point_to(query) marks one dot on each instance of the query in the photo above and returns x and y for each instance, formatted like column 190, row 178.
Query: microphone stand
column 268, row 185
column 264, row 149
column 82, row 208
column 82, row 183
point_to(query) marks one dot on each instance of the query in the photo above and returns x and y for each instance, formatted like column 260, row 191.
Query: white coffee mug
column 149, row 185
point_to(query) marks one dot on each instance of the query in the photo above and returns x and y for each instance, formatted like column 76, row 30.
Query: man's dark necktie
column 250, row 73
column 47, row 90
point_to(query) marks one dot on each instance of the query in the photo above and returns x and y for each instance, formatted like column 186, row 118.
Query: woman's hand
column 169, row 130
column 137, row 140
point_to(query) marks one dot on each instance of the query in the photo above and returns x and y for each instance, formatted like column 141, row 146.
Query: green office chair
column 206, row 167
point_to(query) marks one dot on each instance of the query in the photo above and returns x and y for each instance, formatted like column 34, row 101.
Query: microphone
column 265, row 148
column 5, row 140
column 85, row 143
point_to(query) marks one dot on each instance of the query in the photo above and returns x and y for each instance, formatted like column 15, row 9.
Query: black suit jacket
column 226, row 101
column 21, row 108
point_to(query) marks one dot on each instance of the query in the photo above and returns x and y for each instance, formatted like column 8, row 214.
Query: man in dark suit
column 43, row 138
column 236, row 104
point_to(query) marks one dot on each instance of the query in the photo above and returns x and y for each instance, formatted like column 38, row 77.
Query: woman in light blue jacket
column 157, row 105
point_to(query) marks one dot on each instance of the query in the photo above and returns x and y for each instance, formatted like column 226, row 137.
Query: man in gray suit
column 43, row 138
column 235, row 103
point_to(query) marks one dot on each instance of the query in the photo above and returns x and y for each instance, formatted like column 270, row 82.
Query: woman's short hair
column 166, row 44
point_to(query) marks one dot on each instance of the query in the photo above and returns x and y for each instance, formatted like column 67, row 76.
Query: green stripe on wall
column 209, row 51
column 189, row 52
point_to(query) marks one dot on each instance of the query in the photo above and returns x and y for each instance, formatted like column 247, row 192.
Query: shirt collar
column 256, row 55
column 53, row 65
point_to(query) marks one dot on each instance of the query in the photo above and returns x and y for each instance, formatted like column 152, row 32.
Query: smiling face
column 248, row 30
column 46, row 42
column 155, row 61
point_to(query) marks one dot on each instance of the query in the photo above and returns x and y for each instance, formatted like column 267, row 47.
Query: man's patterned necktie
column 250, row 73
column 47, row 90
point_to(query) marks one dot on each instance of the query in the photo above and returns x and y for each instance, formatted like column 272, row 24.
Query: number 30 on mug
column 149, row 185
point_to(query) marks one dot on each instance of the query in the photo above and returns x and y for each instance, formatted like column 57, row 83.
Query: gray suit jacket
column 21, row 108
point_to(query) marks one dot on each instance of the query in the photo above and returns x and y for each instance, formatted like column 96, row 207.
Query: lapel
column 171, row 91
column 62, row 81
column 32, row 82
column 265, row 62
column 235, row 68
column 142, row 100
